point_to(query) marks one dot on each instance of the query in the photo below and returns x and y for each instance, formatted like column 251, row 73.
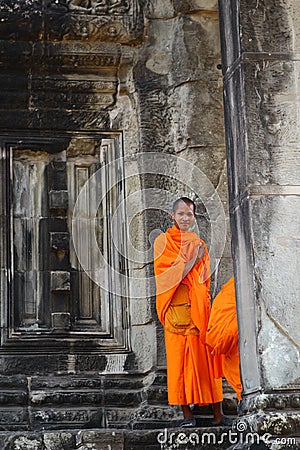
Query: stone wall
column 178, row 84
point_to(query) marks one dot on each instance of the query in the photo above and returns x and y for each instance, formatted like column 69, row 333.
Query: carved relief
column 102, row 20
column 94, row 20
column 73, row 94
column 17, row 6
column 99, row 6
column 82, row 61
column 84, row 27
column 78, row 4
column 270, row 402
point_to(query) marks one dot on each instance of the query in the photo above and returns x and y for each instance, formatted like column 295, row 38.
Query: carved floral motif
column 92, row 20
column 78, row 20
column 94, row 6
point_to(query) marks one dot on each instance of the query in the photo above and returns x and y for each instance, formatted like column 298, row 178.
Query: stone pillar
column 260, row 51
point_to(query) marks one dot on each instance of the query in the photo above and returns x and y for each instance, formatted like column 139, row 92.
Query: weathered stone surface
column 90, row 363
column 183, row 46
column 196, row 5
column 276, row 243
column 70, row 93
column 63, row 417
column 33, row 120
column 273, row 128
column 190, row 114
column 61, row 320
column 160, row 10
column 60, row 281
column 30, row 442
column 230, row 37
column 121, row 383
column 161, row 350
column 281, row 19
column 14, row 94
column 58, row 199
column 14, row 418
column 59, row 441
column 170, row 438
column 143, row 344
column 59, row 241
column 168, row 9
column 100, row 440
column 198, row 35
column 141, row 311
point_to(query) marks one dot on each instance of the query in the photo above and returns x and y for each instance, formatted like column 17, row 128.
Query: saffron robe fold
column 190, row 365
column 222, row 335
column 172, row 250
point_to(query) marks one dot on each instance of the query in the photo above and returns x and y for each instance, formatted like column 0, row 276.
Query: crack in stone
column 274, row 321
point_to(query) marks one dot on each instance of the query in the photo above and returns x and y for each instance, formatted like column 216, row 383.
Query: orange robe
column 190, row 366
column 222, row 335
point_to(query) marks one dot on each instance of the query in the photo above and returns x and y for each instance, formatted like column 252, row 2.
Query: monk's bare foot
column 218, row 413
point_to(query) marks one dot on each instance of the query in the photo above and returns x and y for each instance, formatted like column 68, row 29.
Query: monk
column 222, row 335
column 182, row 274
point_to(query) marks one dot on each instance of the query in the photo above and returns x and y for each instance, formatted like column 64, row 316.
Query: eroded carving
column 93, row 20
column 95, row 29
column 99, row 6
column 84, row 60
column 272, row 402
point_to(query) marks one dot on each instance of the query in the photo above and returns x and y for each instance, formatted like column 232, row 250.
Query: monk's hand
column 200, row 252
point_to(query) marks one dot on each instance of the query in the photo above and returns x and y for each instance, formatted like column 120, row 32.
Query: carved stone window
column 48, row 297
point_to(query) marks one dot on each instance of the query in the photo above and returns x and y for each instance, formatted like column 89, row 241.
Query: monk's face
column 184, row 216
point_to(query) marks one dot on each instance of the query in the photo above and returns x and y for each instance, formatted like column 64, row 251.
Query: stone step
column 83, row 402
column 207, row 438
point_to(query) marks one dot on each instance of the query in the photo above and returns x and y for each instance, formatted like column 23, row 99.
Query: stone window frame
column 118, row 340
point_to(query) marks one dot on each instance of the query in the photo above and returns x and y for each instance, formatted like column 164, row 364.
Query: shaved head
column 186, row 200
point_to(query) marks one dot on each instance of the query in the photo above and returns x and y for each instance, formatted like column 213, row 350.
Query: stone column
column 260, row 51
